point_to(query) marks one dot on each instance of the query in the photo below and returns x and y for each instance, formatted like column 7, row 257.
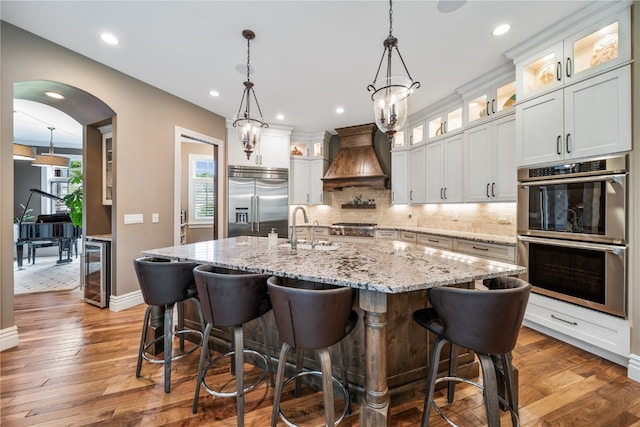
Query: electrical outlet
column 505, row 218
column 133, row 218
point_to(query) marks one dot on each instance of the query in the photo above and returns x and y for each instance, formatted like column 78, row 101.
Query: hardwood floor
column 75, row 365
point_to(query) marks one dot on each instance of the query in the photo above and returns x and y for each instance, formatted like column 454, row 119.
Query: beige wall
column 143, row 153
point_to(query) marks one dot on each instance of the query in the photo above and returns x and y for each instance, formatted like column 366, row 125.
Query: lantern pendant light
column 390, row 93
column 247, row 124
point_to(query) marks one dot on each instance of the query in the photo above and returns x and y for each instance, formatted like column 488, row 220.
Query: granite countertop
column 381, row 266
column 478, row 237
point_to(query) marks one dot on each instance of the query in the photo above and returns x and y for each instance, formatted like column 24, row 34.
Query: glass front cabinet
column 107, row 168
column 592, row 50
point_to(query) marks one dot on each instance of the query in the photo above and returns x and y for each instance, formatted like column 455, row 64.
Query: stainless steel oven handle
column 617, row 178
column 614, row 249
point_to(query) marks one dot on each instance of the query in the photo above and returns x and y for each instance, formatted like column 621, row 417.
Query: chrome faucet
column 294, row 240
column 313, row 233
column 574, row 224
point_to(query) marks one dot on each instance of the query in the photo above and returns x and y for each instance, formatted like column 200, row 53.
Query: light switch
column 133, row 218
column 155, row 217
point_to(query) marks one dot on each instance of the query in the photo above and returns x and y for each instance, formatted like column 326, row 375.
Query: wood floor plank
column 75, row 366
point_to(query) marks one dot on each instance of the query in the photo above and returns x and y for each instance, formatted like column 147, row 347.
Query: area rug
column 46, row 275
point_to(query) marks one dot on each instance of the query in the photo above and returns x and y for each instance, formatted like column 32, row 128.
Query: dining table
column 376, row 269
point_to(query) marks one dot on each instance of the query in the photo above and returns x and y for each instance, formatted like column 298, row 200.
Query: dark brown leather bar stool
column 163, row 284
column 231, row 298
column 485, row 321
column 311, row 319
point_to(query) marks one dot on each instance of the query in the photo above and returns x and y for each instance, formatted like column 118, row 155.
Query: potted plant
column 73, row 200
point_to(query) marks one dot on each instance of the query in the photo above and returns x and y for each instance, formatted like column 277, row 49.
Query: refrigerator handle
column 257, row 214
column 253, row 213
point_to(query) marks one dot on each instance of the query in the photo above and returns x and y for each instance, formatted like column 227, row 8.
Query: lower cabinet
column 599, row 333
column 495, row 251
column 438, row 242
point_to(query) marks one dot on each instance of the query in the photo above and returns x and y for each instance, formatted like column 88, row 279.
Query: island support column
column 375, row 403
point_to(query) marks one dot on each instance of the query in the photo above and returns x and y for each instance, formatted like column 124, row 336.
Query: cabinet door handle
column 441, row 197
column 493, row 106
column 321, row 197
column 493, row 189
column 568, row 66
column 558, row 140
column 446, row 127
column 568, row 144
column 393, row 196
column 565, row 321
column 488, row 190
column 488, row 111
column 445, row 193
column 410, row 194
column 559, row 71
column 480, row 249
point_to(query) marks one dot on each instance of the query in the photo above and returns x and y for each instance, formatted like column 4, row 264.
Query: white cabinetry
column 604, row 44
column 445, row 174
column 447, row 120
column 386, row 234
column 307, row 168
column 417, row 135
column 272, row 151
column 599, row 333
column 417, row 175
column 589, row 118
column 490, row 161
column 434, row 241
column 399, row 185
column 490, row 101
column 495, row 251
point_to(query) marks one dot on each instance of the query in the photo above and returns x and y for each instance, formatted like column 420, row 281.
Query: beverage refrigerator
column 258, row 201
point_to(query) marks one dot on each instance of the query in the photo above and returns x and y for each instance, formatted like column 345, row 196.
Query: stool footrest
column 150, row 359
column 266, row 369
column 343, row 388
column 476, row 384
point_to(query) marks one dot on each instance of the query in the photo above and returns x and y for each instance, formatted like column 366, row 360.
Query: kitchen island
column 391, row 278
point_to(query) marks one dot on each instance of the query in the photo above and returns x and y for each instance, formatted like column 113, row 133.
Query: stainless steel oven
column 572, row 231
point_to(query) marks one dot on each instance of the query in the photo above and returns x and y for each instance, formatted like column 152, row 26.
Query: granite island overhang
column 392, row 277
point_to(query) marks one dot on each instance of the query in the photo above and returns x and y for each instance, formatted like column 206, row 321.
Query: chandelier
column 248, row 125
column 390, row 93
column 50, row 159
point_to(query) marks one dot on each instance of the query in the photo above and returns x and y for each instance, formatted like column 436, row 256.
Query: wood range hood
column 356, row 164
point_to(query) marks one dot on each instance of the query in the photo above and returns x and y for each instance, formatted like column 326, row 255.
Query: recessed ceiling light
column 339, row 110
column 55, row 95
column 280, row 117
column 109, row 38
column 501, row 29
column 214, row 93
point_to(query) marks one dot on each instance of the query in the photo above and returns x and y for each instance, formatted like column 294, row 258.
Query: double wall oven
column 572, row 232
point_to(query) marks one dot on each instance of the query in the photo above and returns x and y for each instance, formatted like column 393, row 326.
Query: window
column 202, row 171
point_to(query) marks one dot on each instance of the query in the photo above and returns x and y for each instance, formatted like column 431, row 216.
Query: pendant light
column 390, row 93
column 248, row 125
column 50, row 159
column 23, row 152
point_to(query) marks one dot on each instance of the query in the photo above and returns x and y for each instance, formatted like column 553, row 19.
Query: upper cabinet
column 589, row 118
column 272, row 151
column 399, row 187
column 107, row 168
column 447, row 121
column 417, row 175
column 601, row 46
column 400, row 140
column 309, row 153
column 445, row 174
column 489, row 96
column 417, row 134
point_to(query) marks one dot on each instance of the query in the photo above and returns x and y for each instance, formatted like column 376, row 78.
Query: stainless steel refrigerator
column 258, row 201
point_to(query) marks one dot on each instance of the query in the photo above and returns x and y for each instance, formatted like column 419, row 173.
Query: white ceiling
column 309, row 57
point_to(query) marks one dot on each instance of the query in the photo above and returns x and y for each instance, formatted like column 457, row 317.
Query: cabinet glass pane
column 506, row 96
column 108, row 190
column 398, row 139
column 317, row 149
column 454, row 120
column 596, row 48
column 435, row 127
column 539, row 73
column 298, row 149
column 417, row 134
column 478, row 108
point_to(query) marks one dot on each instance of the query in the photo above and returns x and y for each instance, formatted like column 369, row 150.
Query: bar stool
column 311, row 319
column 485, row 321
column 232, row 298
column 163, row 284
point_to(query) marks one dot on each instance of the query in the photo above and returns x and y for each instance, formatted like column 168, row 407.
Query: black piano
column 55, row 228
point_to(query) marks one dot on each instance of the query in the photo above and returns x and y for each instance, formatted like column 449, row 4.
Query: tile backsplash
column 487, row 218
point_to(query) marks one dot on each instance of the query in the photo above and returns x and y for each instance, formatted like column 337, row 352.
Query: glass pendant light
column 248, row 125
column 50, row 159
column 390, row 93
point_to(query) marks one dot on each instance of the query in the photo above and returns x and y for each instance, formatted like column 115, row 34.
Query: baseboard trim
column 122, row 302
column 8, row 338
column 633, row 371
